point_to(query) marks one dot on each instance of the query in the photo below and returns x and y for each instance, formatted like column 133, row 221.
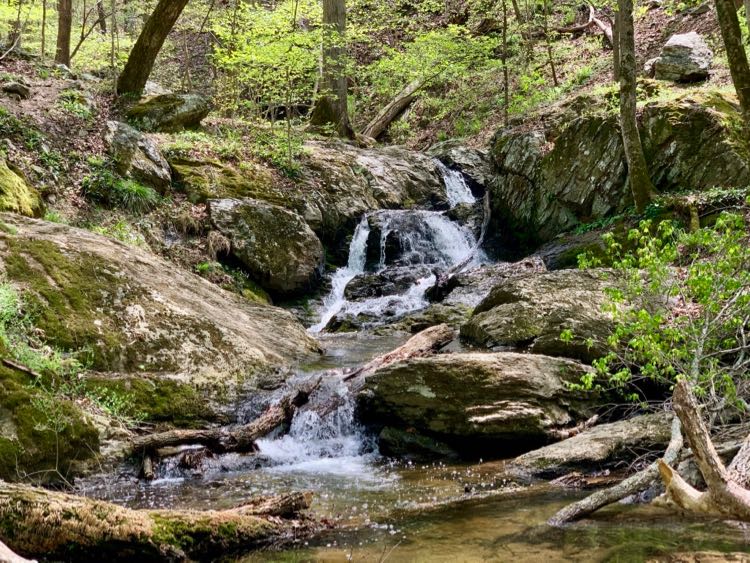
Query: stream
column 382, row 510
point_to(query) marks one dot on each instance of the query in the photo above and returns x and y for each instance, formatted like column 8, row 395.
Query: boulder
column 474, row 163
column 391, row 281
column 599, row 448
column 547, row 181
column 137, row 156
column 186, row 349
column 169, row 113
column 531, row 312
column 280, row 251
column 15, row 193
column 208, row 179
column 407, row 444
column 685, row 58
column 491, row 404
column 19, row 89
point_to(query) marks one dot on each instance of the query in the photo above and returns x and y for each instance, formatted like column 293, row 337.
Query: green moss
column 15, row 194
column 211, row 179
column 43, row 437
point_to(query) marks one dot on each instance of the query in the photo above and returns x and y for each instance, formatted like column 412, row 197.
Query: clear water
column 456, row 188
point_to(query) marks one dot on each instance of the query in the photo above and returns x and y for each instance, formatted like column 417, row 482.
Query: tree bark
column 736, row 56
column 331, row 106
column 616, row 47
column 53, row 525
column 143, row 55
column 64, row 26
column 506, row 79
column 640, row 182
column 390, row 112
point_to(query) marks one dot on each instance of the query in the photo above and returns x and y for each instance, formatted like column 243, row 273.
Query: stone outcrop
column 573, row 171
column 15, row 193
column 208, row 179
column 495, row 403
column 684, row 58
column 169, row 113
column 277, row 247
column 531, row 313
column 186, row 349
column 598, row 448
column 137, row 156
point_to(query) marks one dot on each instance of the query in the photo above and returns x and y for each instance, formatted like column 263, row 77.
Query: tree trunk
column 548, row 42
column 44, row 29
column 64, row 26
column 640, row 182
column 736, row 56
column 54, row 525
column 7, row 556
column 389, row 113
column 616, row 47
column 506, row 80
column 102, row 15
column 331, row 108
column 143, row 55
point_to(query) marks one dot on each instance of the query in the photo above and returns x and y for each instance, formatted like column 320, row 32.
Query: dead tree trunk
column 143, row 55
column 53, row 525
column 64, row 27
column 389, row 113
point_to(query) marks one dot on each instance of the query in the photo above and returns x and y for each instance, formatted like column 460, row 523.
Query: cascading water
column 428, row 239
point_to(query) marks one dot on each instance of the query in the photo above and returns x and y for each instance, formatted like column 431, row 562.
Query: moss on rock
column 15, row 194
column 210, row 179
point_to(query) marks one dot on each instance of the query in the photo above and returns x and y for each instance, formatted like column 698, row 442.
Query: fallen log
column 390, row 112
column 240, row 439
column 59, row 526
column 603, row 26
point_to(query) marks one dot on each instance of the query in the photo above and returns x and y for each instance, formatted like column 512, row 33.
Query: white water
column 426, row 238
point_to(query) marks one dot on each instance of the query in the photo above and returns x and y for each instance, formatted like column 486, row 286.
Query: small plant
column 105, row 187
column 73, row 102
column 121, row 231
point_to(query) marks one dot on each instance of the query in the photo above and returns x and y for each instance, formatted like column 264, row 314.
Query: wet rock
column 598, row 448
column 15, row 193
column 392, row 281
column 474, row 163
column 548, row 181
column 685, row 58
column 405, row 444
column 532, row 312
column 185, row 349
column 277, row 247
column 208, row 179
column 169, row 113
column 19, row 89
column 137, row 156
column 489, row 403
column 564, row 250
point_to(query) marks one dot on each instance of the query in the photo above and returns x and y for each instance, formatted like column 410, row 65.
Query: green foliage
column 73, row 102
column 680, row 310
column 105, row 187
column 122, row 231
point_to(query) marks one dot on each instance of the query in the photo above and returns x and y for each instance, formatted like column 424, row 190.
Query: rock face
column 277, row 247
column 138, row 157
column 211, row 179
column 493, row 403
column 598, row 448
column 531, row 313
column 685, row 58
column 170, row 112
column 474, row 163
column 15, row 194
column 184, row 347
column 548, row 181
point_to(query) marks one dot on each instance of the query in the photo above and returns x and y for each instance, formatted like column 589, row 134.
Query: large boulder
column 531, row 313
column 477, row 403
column 186, row 349
column 598, row 448
column 474, row 163
column 208, row 179
column 169, row 113
column 685, row 58
column 550, row 180
column 137, row 156
column 277, row 247
column 15, row 193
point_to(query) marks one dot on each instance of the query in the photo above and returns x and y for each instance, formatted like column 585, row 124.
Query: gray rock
column 685, row 58
column 598, row 448
column 392, row 281
column 531, row 312
column 648, row 67
column 170, row 112
column 474, row 163
column 137, row 156
column 490, row 403
column 277, row 247
column 393, row 442
column 18, row 88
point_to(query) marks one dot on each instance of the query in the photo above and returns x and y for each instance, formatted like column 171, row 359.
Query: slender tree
column 736, row 56
column 640, row 182
column 616, row 46
column 506, row 79
column 64, row 27
column 143, row 55
column 331, row 104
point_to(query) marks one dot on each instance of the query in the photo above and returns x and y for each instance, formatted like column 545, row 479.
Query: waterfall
column 456, row 188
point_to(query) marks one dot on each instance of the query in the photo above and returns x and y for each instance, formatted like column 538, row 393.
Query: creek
column 379, row 509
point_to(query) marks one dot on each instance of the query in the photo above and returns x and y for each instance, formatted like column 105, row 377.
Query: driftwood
column 390, row 112
column 604, row 27
column 221, row 440
column 630, row 486
column 60, row 526
column 725, row 494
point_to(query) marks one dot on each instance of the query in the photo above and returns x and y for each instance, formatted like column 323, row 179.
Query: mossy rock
column 202, row 180
column 15, row 194
column 169, row 113
column 42, row 438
